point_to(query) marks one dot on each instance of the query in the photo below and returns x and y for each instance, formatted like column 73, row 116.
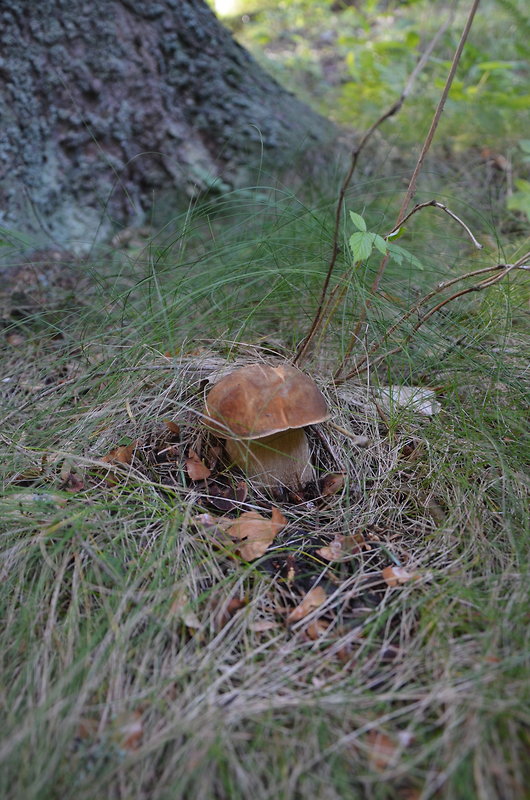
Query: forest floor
column 378, row 647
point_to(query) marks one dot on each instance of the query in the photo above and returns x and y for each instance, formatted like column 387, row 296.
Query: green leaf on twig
column 358, row 221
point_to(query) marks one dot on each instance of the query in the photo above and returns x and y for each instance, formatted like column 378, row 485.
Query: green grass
column 352, row 64
column 113, row 601
column 124, row 672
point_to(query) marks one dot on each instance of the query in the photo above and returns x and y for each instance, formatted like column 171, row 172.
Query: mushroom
column 261, row 411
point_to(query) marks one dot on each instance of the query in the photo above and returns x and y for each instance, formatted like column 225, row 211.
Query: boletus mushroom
column 261, row 412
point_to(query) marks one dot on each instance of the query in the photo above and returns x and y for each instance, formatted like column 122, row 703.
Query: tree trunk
column 109, row 107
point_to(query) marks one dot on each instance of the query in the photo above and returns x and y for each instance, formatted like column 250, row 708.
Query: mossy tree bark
column 110, row 105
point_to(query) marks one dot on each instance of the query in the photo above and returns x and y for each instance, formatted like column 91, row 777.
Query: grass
column 139, row 661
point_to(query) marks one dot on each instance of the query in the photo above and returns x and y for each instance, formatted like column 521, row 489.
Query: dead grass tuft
column 143, row 658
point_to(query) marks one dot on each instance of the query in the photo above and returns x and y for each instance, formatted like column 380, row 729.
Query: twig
column 504, row 270
column 356, row 152
column 360, row 441
column 438, row 113
column 421, row 158
column 435, row 204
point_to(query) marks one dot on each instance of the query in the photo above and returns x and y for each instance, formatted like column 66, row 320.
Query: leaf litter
column 196, row 469
column 252, row 530
column 313, row 599
column 249, row 525
column 397, row 576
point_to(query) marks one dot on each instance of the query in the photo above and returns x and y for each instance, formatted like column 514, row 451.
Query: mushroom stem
column 280, row 459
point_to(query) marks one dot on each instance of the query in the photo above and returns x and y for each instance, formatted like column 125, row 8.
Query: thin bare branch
column 436, row 204
column 356, row 152
column 438, row 113
column 502, row 269
column 433, row 203
column 412, row 184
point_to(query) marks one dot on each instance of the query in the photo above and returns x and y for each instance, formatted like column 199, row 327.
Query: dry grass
column 120, row 612
column 141, row 660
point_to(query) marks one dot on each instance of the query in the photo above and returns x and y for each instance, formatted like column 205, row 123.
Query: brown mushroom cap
column 259, row 400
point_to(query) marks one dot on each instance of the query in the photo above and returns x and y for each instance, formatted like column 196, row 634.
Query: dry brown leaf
column 334, row 551
column 15, row 339
column 128, row 730
column 313, row 599
column 173, row 427
column 215, row 525
column 256, row 532
column 224, row 496
column 180, row 607
column 332, row 483
column 121, row 455
column 72, row 483
column 242, row 491
column 228, row 610
column 196, row 469
column 395, row 576
column 383, row 750
column 214, row 454
column 317, row 629
column 343, row 546
column 411, row 793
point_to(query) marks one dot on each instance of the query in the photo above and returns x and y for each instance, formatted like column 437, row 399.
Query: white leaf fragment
column 415, row 398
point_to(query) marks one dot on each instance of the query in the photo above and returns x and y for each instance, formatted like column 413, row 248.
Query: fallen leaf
column 383, row 750
column 290, row 569
column 412, row 450
column 313, row 599
column 224, row 496
column 180, row 607
column 496, row 159
column 72, row 483
column 416, row 398
column 121, row 455
column 395, row 576
column 172, row 427
column 87, row 728
column 214, row 454
column 332, row 483
column 196, row 469
column 317, row 629
column 343, row 546
column 241, row 492
column 15, row 339
column 333, row 551
column 128, row 730
column 228, row 610
column 345, row 653
column 411, row 793
column 256, row 532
